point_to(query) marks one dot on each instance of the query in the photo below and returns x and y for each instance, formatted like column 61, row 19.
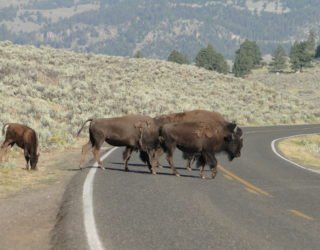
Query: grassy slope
column 305, row 86
column 54, row 91
column 304, row 150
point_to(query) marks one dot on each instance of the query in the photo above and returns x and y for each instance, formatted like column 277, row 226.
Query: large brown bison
column 212, row 117
column 135, row 132
column 25, row 138
column 203, row 138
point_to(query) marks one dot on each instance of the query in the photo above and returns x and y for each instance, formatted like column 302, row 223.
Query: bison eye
column 228, row 139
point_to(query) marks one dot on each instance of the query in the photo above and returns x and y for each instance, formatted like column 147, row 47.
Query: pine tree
column 248, row 56
column 317, row 54
column 242, row 63
column 210, row 59
column 300, row 56
column 278, row 63
column 311, row 44
column 178, row 57
column 295, row 57
column 138, row 54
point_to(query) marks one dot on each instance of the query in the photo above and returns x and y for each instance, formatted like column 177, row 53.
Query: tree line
column 249, row 57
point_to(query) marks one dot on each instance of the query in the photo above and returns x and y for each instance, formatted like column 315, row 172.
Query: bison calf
column 25, row 138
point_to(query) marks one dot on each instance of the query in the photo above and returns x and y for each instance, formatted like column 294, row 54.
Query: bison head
column 233, row 141
column 34, row 161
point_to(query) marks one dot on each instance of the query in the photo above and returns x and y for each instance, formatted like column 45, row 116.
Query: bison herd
column 199, row 134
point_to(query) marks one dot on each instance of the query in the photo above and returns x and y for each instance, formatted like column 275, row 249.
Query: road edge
column 70, row 215
column 275, row 150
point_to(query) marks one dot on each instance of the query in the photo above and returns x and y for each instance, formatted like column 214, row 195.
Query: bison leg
column 145, row 158
column 212, row 161
column 85, row 150
column 214, row 170
column 153, row 161
column 4, row 148
column 26, row 156
column 126, row 156
column 190, row 162
column 96, row 154
column 201, row 163
column 159, row 152
column 170, row 160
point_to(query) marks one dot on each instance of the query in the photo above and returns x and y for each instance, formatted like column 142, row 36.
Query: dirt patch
column 304, row 150
column 30, row 200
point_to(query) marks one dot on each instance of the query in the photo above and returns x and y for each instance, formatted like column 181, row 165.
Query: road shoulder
column 28, row 214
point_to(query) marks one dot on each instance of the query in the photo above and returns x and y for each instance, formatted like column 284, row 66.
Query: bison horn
column 235, row 129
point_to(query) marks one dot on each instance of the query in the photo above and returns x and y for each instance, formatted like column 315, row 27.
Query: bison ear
column 231, row 126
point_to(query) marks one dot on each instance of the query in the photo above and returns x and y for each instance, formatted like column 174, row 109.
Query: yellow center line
column 227, row 177
column 300, row 214
column 251, row 191
column 244, row 182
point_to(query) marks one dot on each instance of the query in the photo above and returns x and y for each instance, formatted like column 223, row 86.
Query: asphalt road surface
column 258, row 201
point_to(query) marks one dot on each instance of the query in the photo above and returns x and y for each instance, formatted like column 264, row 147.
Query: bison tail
column 144, row 156
column 89, row 120
column 4, row 128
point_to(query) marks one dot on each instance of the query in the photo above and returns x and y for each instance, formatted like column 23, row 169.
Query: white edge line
column 273, row 146
column 93, row 239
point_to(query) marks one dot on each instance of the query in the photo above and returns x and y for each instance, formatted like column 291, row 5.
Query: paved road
column 258, row 201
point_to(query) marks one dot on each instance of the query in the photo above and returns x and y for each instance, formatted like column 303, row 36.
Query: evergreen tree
column 300, row 56
column 248, row 56
column 317, row 54
column 178, row 57
column 278, row 63
column 210, row 59
column 242, row 63
column 311, row 44
column 138, row 54
column 295, row 57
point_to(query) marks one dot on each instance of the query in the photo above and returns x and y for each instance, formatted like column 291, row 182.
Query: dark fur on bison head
column 233, row 141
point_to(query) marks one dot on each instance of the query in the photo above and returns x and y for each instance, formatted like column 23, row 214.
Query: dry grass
column 51, row 167
column 304, row 150
column 54, row 91
column 305, row 85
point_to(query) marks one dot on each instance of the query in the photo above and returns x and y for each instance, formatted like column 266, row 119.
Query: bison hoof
column 177, row 174
column 126, row 169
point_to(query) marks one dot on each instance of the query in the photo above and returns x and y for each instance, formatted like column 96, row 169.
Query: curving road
column 258, row 201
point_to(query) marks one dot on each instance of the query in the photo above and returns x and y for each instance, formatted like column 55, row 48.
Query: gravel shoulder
column 29, row 207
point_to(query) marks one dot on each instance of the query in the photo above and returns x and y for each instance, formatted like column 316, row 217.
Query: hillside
column 55, row 91
column 305, row 86
column 157, row 27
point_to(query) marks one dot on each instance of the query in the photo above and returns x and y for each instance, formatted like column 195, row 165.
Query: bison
column 188, row 116
column 135, row 132
column 25, row 138
column 203, row 138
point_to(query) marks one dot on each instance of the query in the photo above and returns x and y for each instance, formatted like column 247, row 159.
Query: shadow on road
column 147, row 171
column 78, row 169
column 144, row 165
